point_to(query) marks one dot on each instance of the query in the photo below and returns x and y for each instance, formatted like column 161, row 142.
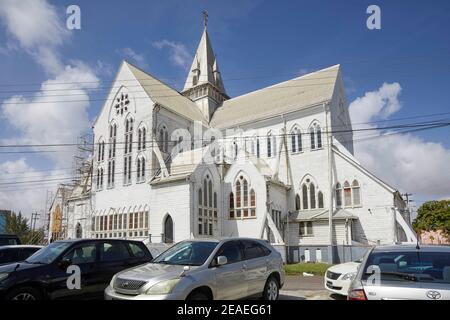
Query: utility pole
column 326, row 107
column 408, row 207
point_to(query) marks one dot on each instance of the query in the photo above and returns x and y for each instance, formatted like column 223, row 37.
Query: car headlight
column 111, row 284
column 163, row 287
column 3, row 276
column 349, row 276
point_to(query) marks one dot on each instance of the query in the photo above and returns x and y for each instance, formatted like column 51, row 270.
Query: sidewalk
column 306, row 288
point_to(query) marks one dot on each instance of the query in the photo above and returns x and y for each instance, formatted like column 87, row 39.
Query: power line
column 317, row 67
column 157, row 167
column 400, row 126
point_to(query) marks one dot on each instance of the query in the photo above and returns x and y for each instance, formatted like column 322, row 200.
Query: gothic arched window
column 128, row 150
column 207, row 209
column 312, row 195
column 320, row 199
column 112, row 154
column 297, row 202
column 296, row 140
column 245, row 205
column 305, row 196
column 347, row 194
column 356, row 193
column 338, row 195
column 140, row 170
column 315, row 133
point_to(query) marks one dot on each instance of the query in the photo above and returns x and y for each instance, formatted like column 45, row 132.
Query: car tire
column 198, row 296
column 24, row 293
column 271, row 289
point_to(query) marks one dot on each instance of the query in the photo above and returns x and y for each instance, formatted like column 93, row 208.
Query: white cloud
column 179, row 55
column 133, row 55
column 21, row 198
column 46, row 119
column 36, row 26
column 58, row 112
column 405, row 161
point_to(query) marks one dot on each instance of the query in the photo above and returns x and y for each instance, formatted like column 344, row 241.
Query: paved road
column 306, row 288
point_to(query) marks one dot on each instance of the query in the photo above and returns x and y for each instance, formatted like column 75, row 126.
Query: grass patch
column 318, row 269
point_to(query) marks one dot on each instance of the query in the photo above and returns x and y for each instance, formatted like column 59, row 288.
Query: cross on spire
column 205, row 17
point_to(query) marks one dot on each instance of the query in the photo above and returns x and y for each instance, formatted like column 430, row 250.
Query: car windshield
column 410, row 266
column 49, row 253
column 187, row 253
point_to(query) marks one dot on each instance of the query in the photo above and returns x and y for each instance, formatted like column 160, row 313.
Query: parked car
column 10, row 254
column 403, row 272
column 9, row 239
column 45, row 274
column 339, row 277
column 204, row 270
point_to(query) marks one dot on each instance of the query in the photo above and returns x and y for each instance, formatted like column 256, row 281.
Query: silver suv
column 403, row 272
column 202, row 270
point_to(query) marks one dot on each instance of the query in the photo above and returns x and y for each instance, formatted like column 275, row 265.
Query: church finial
column 205, row 17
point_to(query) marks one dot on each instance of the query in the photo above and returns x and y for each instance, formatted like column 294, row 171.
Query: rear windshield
column 409, row 266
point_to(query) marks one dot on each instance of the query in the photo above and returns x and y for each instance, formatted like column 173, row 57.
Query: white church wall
column 374, row 225
column 136, row 194
column 173, row 200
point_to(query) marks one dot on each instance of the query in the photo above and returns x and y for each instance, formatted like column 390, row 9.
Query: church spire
column 204, row 81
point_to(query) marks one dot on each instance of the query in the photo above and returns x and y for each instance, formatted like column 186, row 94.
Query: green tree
column 18, row 225
column 433, row 215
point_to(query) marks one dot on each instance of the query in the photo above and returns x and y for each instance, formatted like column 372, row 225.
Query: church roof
column 292, row 95
column 205, row 65
column 166, row 96
column 321, row 214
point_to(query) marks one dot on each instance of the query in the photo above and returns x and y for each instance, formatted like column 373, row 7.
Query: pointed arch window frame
column 242, row 200
column 207, row 208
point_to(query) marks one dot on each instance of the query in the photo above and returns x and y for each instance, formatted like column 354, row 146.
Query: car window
column 85, row 253
column 253, row 250
column 231, row 250
column 137, row 250
column 406, row 266
column 8, row 255
column 26, row 252
column 189, row 253
column 114, row 251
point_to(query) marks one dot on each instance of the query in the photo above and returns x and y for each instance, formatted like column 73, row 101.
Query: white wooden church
column 276, row 163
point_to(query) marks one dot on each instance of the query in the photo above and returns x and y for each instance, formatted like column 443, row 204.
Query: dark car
column 10, row 254
column 51, row 273
column 9, row 239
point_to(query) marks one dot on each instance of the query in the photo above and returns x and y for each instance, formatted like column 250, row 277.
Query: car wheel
column 24, row 293
column 271, row 289
column 198, row 296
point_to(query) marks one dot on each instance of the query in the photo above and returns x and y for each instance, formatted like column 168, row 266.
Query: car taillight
column 356, row 294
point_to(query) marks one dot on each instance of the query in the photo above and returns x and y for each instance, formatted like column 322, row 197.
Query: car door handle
column 244, row 267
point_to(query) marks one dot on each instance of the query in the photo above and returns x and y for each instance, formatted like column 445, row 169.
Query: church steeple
column 204, row 82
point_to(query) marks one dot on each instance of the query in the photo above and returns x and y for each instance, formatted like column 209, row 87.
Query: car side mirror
column 64, row 263
column 221, row 260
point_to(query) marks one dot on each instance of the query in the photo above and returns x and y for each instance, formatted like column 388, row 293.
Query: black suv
column 51, row 272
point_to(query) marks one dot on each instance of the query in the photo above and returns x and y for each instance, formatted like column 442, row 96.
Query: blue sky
column 258, row 43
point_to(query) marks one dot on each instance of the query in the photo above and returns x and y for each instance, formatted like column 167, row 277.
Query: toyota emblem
column 125, row 285
column 435, row 295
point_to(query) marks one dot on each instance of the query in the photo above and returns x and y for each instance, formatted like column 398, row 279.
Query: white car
column 339, row 277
